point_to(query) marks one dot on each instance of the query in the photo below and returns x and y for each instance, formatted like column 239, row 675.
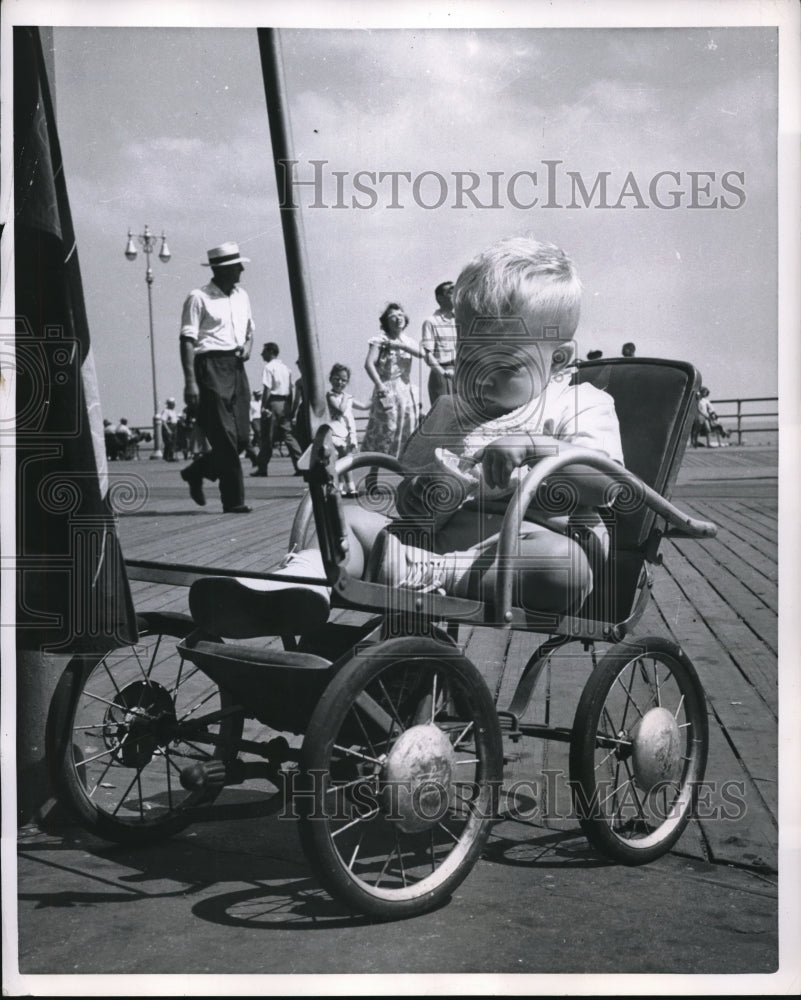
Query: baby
column 517, row 307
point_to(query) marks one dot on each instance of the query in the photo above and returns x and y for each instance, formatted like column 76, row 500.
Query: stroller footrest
column 227, row 607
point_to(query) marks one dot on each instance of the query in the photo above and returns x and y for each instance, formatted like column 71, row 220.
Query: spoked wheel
column 402, row 762
column 138, row 736
column 638, row 750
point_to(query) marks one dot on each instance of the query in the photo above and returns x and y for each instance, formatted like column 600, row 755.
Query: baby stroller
column 395, row 776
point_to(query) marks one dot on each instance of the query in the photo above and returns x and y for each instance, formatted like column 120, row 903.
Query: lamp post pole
column 147, row 241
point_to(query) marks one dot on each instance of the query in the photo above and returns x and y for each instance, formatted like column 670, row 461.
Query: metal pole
column 147, row 241
column 305, row 331
column 156, row 453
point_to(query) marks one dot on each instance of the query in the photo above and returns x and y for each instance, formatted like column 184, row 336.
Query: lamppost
column 147, row 241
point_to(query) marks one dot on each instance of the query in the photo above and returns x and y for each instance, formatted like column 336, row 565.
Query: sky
column 168, row 127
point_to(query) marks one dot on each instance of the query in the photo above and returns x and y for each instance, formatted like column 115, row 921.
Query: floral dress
column 394, row 416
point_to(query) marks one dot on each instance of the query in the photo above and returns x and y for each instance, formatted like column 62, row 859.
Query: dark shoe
column 240, row 509
column 257, row 474
column 195, row 481
column 297, row 472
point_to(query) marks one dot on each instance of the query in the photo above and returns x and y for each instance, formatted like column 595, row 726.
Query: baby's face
column 496, row 374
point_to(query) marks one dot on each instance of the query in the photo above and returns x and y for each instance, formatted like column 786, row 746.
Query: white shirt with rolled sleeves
column 276, row 378
column 216, row 321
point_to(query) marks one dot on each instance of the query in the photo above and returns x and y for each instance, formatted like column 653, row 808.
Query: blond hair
column 522, row 278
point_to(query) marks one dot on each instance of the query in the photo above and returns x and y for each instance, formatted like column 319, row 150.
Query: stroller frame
column 396, row 784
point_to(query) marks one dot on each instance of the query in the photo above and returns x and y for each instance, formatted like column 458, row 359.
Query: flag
column 72, row 588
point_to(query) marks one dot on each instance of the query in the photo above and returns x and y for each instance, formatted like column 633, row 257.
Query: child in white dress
column 342, row 422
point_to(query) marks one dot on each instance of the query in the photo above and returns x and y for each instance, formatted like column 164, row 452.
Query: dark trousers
column 168, row 441
column 438, row 385
column 275, row 417
column 224, row 417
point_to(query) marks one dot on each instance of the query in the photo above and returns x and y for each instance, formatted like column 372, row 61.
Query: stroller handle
column 689, row 527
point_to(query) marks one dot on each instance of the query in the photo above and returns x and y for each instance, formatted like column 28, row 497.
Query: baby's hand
column 505, row 454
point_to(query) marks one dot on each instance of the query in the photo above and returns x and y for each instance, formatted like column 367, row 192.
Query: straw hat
column 224, row 254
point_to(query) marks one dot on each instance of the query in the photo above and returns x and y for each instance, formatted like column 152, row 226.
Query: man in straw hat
column 216, row 340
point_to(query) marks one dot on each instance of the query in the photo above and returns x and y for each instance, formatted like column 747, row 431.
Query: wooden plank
column 198, row 542
column 747, row 721
column 737, row 520
column 740, row 546
column 537, row 770
column 721, row 628
column 765, row 515
column 486, row 648
column 757, row 624
column 735, row 824
column 743, row 530
column 752, row 576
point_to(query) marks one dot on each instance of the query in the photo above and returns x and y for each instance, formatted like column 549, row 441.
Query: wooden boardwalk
column 717, row 599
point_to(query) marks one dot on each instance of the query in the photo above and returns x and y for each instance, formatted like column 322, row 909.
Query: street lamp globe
column 130, row 247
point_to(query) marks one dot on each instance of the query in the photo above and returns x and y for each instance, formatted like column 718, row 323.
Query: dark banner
column 72, row 589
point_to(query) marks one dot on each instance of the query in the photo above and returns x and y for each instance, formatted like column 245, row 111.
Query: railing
column 738, row 419
column 741, row 413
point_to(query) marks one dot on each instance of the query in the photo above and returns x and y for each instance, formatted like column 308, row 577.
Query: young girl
column 342, row 422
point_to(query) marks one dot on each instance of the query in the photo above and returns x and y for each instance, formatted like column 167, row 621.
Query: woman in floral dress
column 394, row 408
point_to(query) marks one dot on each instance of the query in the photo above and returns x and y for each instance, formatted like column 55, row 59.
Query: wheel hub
column 656, row 751
column 142, row 720
column 416, row 778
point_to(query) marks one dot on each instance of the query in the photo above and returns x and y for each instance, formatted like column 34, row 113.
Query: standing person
column 342, row 422
column 169, row 430
column 706, row 423
column 255, row 427
column 301, row 428
column 216, row 340
column 276, row 408
column 717, row 428
column 439, row 343
column 393, row 411
column 126, row 440
column 110, row 435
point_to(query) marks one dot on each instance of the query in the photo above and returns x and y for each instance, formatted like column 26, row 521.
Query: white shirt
column 277, row 378
column 439, row 337
column 169, row 415
column 448, row 438
column 216, row 321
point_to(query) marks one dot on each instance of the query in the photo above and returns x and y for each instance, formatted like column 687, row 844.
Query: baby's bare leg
column 363, row 526
column 551, row 573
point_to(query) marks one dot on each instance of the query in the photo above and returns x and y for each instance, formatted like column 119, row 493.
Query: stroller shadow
column 248, row 866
